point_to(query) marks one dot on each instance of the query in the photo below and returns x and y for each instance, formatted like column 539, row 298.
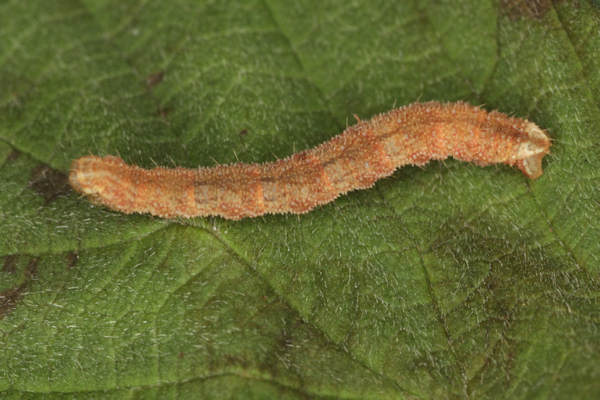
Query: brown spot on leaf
column 9, row 298
column 525, row 8
column 13, row 155
column 72, row 259
column 10, row 263
column 154, row 79
column 48, row 182
column 507, row 277
column 31, row 270
column 163, row 112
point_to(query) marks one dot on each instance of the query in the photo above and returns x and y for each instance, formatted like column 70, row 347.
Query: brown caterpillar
column 355, row 159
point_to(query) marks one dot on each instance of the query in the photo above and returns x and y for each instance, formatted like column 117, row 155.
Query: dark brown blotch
column 31, row 270
column 10, row 263
column 526, row 8
column 13, row 155
column 48, row 182
column 154, row 79
column 509, row 278
column 9, row 298
column 72, row 259
column 163, row 112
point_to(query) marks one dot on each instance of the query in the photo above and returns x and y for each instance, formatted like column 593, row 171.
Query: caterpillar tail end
column 76, row 173
column 88, row 176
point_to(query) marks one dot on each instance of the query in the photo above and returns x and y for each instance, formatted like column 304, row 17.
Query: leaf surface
column 447, row 281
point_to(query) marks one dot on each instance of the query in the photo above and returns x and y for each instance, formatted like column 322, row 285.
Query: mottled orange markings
column 355, row 159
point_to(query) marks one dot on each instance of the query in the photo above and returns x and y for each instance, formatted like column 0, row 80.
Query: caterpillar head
column 531, row 151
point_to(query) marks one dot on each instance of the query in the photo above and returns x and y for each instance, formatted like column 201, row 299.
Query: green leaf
column 448, row 281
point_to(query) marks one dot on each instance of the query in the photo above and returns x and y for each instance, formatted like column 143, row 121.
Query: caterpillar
column 354, row 159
